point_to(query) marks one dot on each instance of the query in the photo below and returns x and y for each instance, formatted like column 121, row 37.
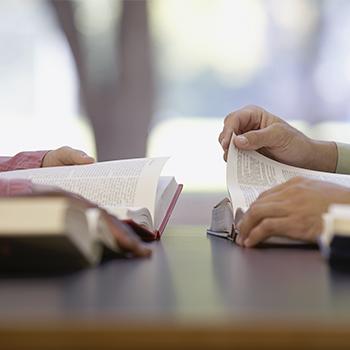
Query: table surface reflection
column 190, row 278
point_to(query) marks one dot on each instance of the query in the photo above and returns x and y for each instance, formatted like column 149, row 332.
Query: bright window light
column 195, row 154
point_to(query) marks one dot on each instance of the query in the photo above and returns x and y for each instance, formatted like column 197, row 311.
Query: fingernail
column 239, row 240
column 242, row 140
column 84, row 155
column 223, row 143
column 247, row 242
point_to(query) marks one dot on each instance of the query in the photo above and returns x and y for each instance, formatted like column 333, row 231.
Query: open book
column 60, row 231
column 131, row 189
column 249, row 173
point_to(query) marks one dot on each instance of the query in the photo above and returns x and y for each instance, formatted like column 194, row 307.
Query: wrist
column 45, row 160
column 323, row 156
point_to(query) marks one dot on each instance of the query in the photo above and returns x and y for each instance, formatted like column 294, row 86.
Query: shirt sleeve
column 15, row 187
column 343, row 164
column 23, row 160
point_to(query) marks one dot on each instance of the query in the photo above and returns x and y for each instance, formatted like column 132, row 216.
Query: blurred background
column 128, row 78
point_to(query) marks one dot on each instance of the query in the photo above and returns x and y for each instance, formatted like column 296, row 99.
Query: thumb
column 256, row 139
column 71, row 156
column 80, row 157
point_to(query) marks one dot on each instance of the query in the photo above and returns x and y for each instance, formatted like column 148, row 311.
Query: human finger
column 257, row 213
column 267, row 228
column 256, row 139
column 240, row 121
column 70, row 156
column 225, row 137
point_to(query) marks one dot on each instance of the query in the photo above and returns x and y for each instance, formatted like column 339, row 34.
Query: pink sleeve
column 14, row 186
column 23, row 160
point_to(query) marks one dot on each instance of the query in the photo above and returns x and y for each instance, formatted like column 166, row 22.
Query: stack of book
column 334, row 241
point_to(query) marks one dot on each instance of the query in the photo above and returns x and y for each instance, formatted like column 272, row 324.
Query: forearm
column 23, row 160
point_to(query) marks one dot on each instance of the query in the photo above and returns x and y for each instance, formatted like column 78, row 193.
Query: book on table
column 334, row 241
column 60, row 230
column 249, row 173
column 132, row 190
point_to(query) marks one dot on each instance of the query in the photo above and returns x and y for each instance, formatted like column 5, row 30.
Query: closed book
column 58, row 230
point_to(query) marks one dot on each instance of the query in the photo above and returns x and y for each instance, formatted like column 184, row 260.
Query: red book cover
column 147, row 235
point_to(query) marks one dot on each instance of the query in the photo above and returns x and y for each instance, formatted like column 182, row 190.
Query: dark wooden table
column 195, row 291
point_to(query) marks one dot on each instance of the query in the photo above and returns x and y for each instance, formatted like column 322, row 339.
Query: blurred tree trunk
column 119, row 108
column 310, row 100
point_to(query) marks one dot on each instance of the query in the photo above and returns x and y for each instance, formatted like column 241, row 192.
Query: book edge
column 169, row 211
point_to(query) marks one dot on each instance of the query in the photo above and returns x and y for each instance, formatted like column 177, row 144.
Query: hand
column 66, row 156
column 257, row 129
column 293, row 209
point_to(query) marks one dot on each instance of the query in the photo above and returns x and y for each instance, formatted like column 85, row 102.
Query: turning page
column 120, row 183
column 248, row 173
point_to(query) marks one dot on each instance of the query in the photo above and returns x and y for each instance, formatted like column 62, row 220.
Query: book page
column 166, row 189
column 249, row 173
column 141, row 216
column 120, row 183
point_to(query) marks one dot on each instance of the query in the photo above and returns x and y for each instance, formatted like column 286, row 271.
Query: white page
column 249, row 173
column 165, row 191
column 125, row 183
column 141, row 216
